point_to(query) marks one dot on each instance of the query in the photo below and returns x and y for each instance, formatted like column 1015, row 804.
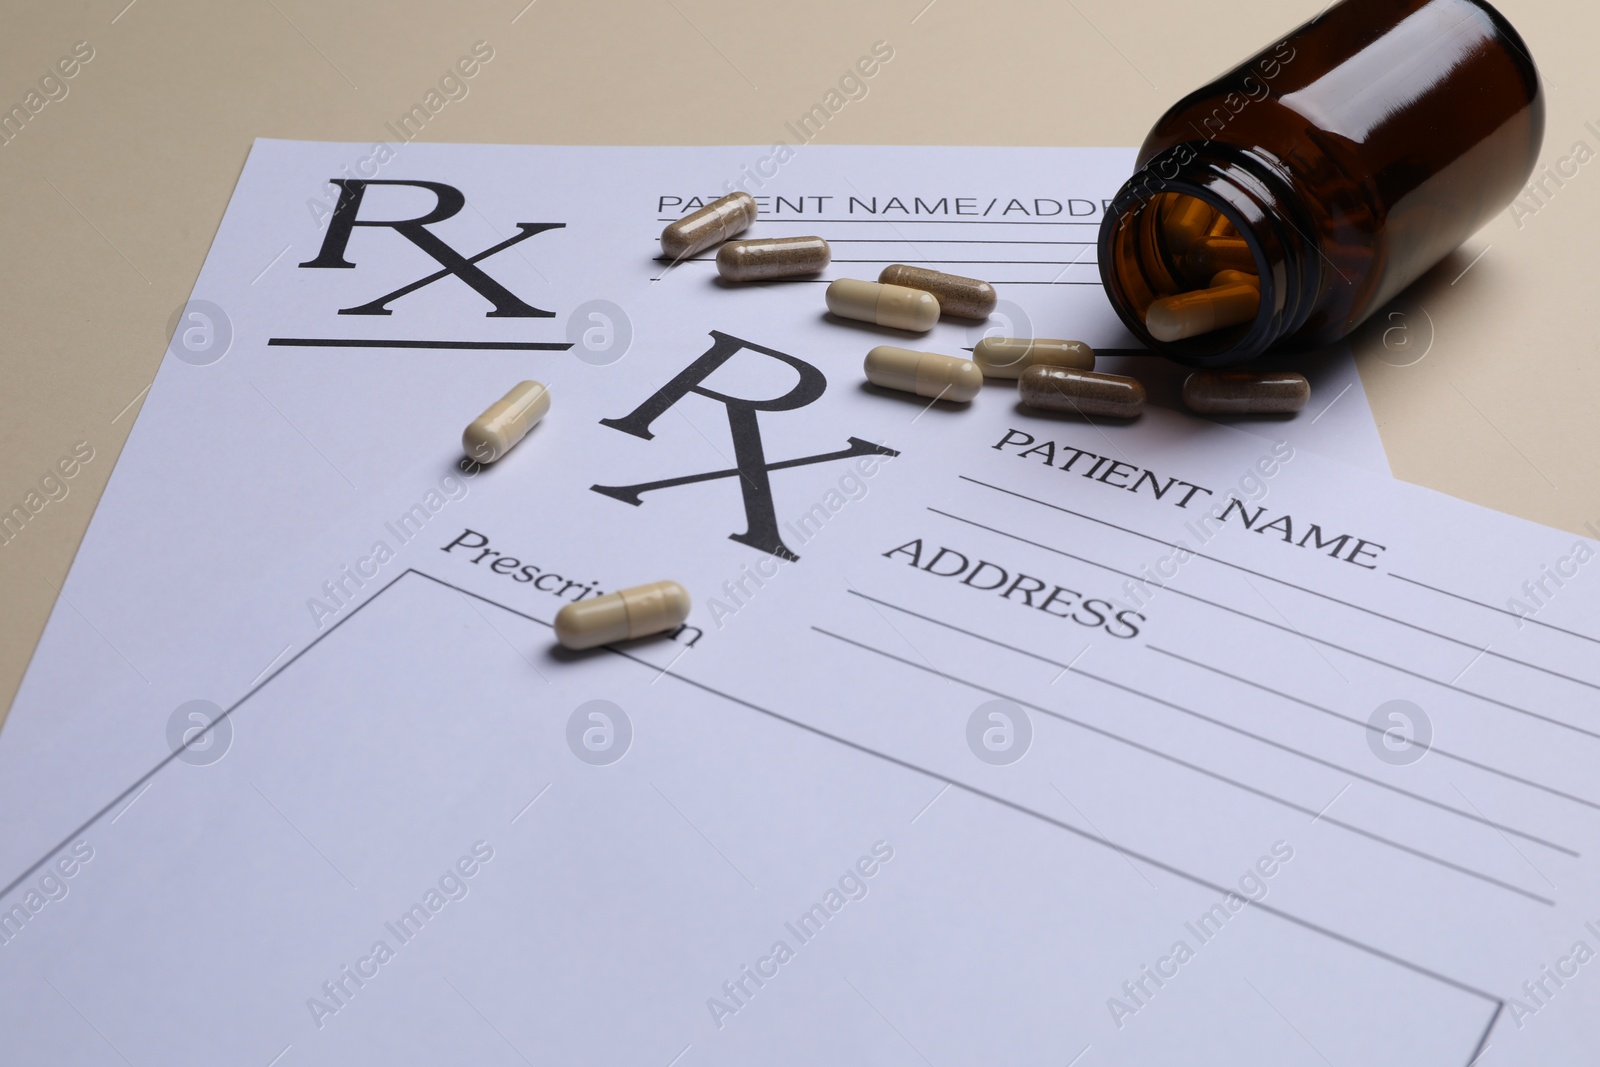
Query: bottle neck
column 1140, row 262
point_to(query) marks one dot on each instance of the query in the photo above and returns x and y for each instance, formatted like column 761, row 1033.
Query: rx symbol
column 750, row 459
column 452, row 263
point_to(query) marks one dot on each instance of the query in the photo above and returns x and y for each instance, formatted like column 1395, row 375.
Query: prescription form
column 992, row 736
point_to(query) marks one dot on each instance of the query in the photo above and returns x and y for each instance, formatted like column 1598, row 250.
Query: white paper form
column 432, row 839
column 1052, row 612
column 1261, row 697
column 285, row 401
column 433, row 721
column 256, row 483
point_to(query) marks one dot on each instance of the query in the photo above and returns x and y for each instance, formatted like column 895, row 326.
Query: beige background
column 112, row 194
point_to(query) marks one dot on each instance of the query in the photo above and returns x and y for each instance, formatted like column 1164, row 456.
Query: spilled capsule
column 885, row 305
column 965, row 298
column 505, row 422
column 772, row 257
column 1245, row 393
column 716, row 222
column 1081, row 392
column 929, row 374
column 1008, row 357
column 628, row 613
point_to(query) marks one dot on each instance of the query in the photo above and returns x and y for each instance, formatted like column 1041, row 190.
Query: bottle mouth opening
column 1180, row 265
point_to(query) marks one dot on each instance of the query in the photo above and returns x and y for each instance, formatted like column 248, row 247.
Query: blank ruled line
column 1279, row 626
column 826, row 281
column 1435, row 749
column 990, row 262
column 1503, row 611
column 1205, row 772
column 948, row 241
column 902, row 222
column 390, row 342
column 1230, row 727
column 1292, row 585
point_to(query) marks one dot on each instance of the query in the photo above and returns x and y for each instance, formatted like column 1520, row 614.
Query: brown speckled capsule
column 1211, row 392
column 1081, row 392
column 966, row 298
column 716, row 222
column 772, row 257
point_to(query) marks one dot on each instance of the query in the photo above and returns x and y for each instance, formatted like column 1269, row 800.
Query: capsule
column 1008, row 357
column 1083, row 392
column 1208, row 255
column 505, row 422
column 1172, row 318
column 928, row 374
column 886, row 305
column 1187, row 219
column 1236, row 277
column 1222, row 227
column 965, row 298
column 1211, row 392
column 717, row 221
column 621, row 616
column 772, row 257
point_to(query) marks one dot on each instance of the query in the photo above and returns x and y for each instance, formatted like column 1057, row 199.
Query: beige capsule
column 637, row 612
column 885, row 305
column 1008, row 357
column 1187, row 219
column 928, row 374
column 505, row 422
column 1173, row 318
column 1208, row 255
column 965, row 298
column 714, row 223
column 772, row 257
column 1236, row 277
column 1082, row 392
column 1212, row 392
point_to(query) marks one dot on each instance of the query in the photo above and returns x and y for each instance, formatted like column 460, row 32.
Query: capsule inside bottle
column 1208, row 255
column 1188, row 273
column 1186, row 221
column 1200, row 311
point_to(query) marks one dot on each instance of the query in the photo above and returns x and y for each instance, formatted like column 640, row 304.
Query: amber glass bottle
column 1348, row 158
